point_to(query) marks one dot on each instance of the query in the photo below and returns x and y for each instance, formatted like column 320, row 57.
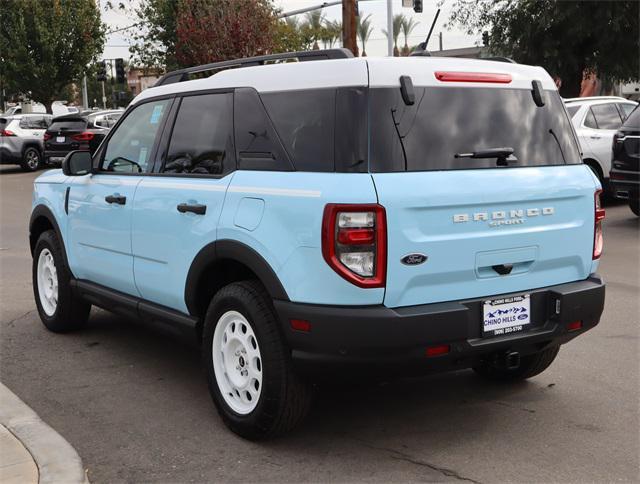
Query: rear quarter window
column 445, row 121
column 633, row 121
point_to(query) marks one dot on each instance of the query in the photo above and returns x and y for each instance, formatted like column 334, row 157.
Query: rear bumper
column 625, row 184
column 391, row 340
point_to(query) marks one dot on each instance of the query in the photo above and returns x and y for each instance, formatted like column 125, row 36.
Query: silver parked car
column 21, row 140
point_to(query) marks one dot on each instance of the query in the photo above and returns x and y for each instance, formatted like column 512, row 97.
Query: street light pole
column 389, row 28
column 85, row 97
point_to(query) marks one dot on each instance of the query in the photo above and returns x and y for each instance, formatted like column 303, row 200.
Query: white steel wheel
column 237, row 362
column 47, row 277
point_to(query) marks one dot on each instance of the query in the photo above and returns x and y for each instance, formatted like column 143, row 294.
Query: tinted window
column 607, row 116
column 129, row 148
column 633, row 121
column 572, row 110
column 33, row 122
column 68, row 125
column 626, row 109
column 445, row 121
column 305, row 122
column 352, row 130
column 202, row 138
column 257, row 144
column 590, row 120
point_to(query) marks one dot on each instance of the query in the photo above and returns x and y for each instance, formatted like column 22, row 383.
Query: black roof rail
column 304, row 56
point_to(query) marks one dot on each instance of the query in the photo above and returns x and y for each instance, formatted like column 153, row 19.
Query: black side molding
column 133, row 307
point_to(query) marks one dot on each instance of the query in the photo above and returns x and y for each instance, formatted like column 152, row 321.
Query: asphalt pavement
column 133, row 401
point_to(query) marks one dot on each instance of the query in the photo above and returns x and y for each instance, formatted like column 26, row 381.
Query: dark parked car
column 83, row 131
column 625, row 166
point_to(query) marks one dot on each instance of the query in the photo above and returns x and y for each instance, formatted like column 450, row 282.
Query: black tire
column 530, row 366
column 71, row 313
column 284, row 399
column 31, row 159
column 634, row 205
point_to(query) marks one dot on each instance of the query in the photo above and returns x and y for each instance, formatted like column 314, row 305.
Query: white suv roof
column 373, row 72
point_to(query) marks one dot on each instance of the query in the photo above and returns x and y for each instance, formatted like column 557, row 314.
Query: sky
column 117, row 43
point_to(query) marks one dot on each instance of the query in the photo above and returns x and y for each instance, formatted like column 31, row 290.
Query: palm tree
column 397, row 26
column 364, row 30
column 407, row 26
column 313, row 25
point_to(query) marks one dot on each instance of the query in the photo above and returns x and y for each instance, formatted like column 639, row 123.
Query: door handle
column 503, row 269
column 196, row 208
column 119, row 199
column 595, row 137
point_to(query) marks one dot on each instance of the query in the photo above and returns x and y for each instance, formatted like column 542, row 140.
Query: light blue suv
column 312, row 214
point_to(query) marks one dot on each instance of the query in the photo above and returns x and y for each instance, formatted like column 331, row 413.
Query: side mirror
column 77, row 163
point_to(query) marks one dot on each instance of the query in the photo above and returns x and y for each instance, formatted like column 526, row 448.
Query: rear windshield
column 445, row 121
column 68, row 125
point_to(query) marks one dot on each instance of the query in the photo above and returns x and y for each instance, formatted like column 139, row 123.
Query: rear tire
column 530, row 366
column 59, row 309
column 248, row 365
column 31, row 159
column 634, row 205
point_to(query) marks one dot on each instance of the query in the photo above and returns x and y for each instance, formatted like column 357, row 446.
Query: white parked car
column 596, row 119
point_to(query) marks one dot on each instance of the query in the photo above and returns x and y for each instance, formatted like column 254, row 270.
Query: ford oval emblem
column 413, row 259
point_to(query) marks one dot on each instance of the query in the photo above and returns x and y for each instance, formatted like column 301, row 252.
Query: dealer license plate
column 60, row 139
column 506, row 315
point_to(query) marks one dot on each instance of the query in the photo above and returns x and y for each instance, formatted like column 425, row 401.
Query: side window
column 129, row 148
column 625, row 110
column 257, row 144
column 24, row 123
column 202, row 138
column 590, row 120
column 305, row 122
column 607, row 116
column 572, row 110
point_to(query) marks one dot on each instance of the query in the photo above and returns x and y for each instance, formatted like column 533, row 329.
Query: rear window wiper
column 503, row 155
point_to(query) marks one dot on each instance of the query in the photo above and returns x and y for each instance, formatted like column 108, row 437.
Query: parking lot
column 134, row 402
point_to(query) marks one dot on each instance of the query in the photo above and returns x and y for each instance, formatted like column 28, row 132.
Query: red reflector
column 438, row 350
column 86, row 136
column 574, row 326
column 491, row 77
column 356, row 236
column 300, row 325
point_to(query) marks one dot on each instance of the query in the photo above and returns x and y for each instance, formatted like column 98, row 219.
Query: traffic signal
column 417, row 6
column 101, row 74
column 485, row 38
column 120, row 71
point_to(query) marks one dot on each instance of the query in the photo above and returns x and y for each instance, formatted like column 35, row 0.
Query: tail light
column 46, row 137
column 598, row 241
column 86, row 136
column 6, row 132
column 354, row 243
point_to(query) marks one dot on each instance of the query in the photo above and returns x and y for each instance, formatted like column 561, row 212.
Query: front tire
column 248, row 365
column 530, row 366
column 31, row 159
column 59, row 309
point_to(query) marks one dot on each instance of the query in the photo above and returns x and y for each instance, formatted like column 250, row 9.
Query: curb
column 57, row 461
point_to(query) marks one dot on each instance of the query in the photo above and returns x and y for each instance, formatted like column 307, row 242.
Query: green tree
column 568, row 38
column 407, row 26
column 154, row 36
column 289, row 37
column 397, row 27
column 314, row 25
column 48, row 44
column 364, row 31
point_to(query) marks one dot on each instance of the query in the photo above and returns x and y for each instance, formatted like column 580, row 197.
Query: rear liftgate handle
column 196, row 208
